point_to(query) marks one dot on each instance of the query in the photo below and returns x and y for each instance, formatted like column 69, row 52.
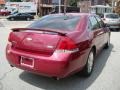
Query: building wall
column 47, row 1
column 117, row 7
column 97, row 2
column 2, row 3
column 85, row 4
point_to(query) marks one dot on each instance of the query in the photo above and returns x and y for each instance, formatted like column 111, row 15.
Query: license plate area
column 27, row 62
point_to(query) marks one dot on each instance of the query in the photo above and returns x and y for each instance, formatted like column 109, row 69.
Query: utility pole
column 39, row 7
column 59, row 6
column 65, row 6
column 36, row 3
column 112, row 5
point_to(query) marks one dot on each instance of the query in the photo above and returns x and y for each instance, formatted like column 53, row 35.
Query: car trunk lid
column 44, row 42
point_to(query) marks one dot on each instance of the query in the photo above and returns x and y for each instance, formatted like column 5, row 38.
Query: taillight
column 10, row 43
column 10, row 36
column 67, row 45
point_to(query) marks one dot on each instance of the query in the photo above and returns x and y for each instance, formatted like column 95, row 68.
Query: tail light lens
column 67, row 45
column 9, row 39
column 10, row 42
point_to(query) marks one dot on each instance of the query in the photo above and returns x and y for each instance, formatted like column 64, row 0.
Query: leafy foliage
column 73, row 2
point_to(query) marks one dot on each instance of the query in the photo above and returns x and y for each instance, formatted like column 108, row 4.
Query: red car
column 58, row 45
column 4, row 12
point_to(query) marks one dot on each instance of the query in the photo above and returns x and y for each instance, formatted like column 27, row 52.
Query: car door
column 103, row 30
column 97, row 32
column 18, row 16
column 23, row 16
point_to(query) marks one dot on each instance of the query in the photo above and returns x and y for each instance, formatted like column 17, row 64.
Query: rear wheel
column 4, row 14
column 89, row 65
column 107, row 45
column 12, row 19
column 28, row 19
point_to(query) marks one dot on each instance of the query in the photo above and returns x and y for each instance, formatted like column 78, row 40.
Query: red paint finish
column 55, row 54
column 4, row 13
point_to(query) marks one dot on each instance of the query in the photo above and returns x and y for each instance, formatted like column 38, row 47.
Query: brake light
column 9, row 39
column 67, row 45
column 9, row 43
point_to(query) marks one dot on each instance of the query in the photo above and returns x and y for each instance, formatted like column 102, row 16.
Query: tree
column 73, row 2
column 15, row 0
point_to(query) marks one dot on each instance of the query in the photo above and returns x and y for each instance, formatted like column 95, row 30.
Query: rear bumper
column 56, row 65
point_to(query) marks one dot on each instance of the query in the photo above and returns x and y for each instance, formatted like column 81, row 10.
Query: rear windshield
column 112, row 16
column 57, row 22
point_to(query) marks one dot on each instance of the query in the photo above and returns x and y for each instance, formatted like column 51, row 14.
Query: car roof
column 76, row 14
column 110, row 13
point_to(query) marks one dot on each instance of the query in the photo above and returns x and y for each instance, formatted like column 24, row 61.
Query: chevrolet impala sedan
column 58, row 45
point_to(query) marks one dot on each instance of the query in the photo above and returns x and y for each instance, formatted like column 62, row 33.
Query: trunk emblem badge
column 50, row 47
column 29, row 39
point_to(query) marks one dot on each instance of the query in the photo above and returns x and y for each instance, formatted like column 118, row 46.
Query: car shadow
column 73, row 82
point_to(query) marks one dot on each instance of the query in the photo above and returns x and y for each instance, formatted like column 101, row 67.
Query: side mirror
column 106, row 25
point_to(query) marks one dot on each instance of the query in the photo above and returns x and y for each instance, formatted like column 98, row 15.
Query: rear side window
column 101, row 23
column 94, row 23
column 57, row 22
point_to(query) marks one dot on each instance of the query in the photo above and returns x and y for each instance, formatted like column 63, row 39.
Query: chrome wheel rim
column 28, row 19
column 90, row 62
column 12, row 19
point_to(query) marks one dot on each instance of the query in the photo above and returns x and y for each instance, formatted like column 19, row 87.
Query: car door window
column 89, row 25
column 101, row 23
column 24, row 15
column 19, row 14
column 94, row 23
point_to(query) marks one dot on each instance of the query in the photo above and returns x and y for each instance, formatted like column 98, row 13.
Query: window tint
column 101, row 23
column 112, row 16
column 18, row 14
column 89, row 25
column 57, row 22
column 24, row 14
column 94, row 23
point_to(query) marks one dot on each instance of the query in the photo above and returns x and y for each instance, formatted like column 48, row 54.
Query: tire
column 107, row 45
column 12, row 19
column 28, row 19
column 87, row 70
column 4, row 14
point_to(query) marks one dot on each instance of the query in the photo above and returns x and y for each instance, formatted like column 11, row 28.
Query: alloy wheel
column 90, row 62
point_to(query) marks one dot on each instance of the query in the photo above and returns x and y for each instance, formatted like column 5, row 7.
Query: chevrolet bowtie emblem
column 50, row 47
column 29, row 39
